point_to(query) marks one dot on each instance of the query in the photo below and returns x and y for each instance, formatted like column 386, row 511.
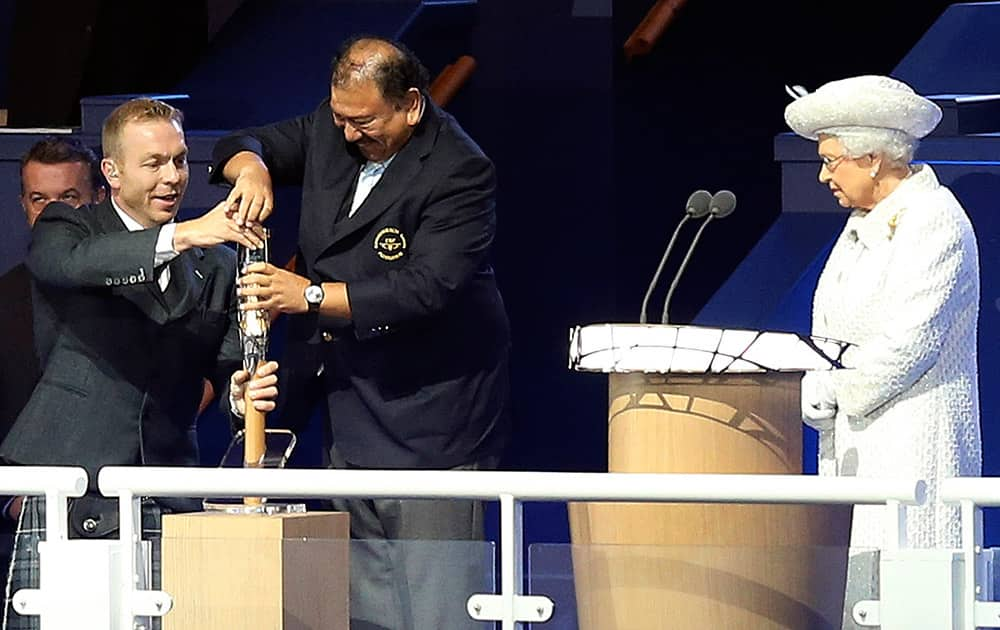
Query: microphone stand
column 697, row 207
column 664, row 318
column 659, row 269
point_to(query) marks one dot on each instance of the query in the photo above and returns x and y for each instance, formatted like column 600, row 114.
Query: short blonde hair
column 136, row 110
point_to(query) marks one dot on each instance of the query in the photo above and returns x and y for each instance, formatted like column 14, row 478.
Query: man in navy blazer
column 395, row 309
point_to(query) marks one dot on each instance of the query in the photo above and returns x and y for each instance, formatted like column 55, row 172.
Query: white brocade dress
column 902, row 283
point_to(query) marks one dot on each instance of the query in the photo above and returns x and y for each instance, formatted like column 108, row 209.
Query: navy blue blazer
column 418, row 378
column 122, row 363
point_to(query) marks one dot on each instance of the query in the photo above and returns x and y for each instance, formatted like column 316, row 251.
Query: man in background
column 53, row 169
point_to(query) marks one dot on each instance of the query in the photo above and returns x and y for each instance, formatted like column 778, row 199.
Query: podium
column 688, row 399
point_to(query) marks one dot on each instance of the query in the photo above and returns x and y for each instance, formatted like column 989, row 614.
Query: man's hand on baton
column 262, row 389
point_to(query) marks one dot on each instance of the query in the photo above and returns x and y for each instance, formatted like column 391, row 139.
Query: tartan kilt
column 24, row 565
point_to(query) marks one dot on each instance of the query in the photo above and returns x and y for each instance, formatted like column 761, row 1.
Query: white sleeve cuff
column 165, row 251
column 819, row 401
column 232, row 405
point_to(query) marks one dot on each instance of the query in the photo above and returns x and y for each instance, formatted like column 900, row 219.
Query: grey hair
column 896, row 147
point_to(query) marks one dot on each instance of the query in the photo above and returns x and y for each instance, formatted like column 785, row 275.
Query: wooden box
column 256, row 572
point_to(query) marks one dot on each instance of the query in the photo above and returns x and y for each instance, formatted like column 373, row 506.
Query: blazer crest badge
column 390, row 243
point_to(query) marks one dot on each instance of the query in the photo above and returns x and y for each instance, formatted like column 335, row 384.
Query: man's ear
column 110, row 170
column 101, row 195
column 414, row 106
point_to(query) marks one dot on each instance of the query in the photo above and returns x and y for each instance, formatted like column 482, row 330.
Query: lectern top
column 698, row 350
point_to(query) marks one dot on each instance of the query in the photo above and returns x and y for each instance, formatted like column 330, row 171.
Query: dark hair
column 59, row 150
column 394, row 73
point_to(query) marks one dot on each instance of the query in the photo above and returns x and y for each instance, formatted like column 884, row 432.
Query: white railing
column 56, row 484
column 972, row 494
column 510, row 606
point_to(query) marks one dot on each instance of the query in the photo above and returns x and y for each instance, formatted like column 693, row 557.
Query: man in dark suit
column 54, row 169
column 395, row 309
column 132, row 311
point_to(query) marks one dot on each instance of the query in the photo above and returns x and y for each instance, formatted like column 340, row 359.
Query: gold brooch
column 893, row 222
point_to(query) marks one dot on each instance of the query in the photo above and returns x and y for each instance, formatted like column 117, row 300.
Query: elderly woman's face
column 849, row 178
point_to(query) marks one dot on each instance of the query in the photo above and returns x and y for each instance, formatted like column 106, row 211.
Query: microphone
column 697, row 206
column 720, row 206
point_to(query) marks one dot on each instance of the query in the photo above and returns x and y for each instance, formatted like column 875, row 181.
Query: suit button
column 327, row 336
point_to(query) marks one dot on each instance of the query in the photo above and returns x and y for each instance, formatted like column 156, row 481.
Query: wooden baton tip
column 651, row 28
column 451, row 79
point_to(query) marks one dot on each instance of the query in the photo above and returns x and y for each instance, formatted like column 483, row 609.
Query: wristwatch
column 314, row 297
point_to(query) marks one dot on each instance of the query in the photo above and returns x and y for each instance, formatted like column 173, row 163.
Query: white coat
column 902, row 283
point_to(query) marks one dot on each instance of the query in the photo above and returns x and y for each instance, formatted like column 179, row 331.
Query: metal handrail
column 972, row 494
column 36, row 480
column 510, row 488
column 983, row 491
column 56, row 483
column 524, row 486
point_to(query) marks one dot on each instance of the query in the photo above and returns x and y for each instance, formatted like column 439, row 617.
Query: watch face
column 314, row 294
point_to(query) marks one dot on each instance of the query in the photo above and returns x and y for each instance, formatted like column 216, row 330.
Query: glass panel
column 618, row 587
column 26, row 574
column 412, row 585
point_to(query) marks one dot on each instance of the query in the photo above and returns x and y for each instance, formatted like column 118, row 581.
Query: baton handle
column 253, row 439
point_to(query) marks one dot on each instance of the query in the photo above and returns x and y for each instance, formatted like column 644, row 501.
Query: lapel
column 324, row 208
column 397, row 177
column 145, row 296
column 185, row 285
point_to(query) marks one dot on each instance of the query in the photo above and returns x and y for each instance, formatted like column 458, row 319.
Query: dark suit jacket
column 122, row 363
column 418, row 378
column 19, row 370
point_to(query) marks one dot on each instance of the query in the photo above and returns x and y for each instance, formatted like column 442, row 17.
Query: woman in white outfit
column 902, row 284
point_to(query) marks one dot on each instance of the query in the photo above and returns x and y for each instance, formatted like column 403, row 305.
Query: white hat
column 865, row 101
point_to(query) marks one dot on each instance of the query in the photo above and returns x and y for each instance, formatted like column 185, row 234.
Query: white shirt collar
column 372, row 168
column 130, row 224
